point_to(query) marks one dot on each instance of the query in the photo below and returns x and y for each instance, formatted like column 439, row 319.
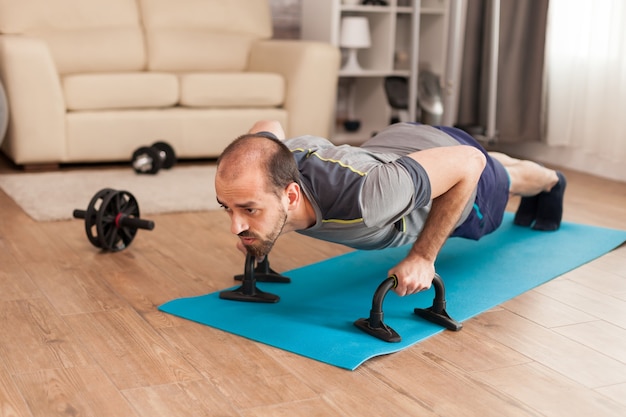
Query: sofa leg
column 40, row 167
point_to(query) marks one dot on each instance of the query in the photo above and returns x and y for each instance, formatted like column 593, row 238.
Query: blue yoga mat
column 315, row 315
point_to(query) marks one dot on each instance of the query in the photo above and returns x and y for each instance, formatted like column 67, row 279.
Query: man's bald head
column 263, row 153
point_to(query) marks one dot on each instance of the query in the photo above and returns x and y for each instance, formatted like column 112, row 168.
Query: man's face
column 257, row 216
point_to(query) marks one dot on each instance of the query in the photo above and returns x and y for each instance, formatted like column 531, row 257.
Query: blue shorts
column 492, row 194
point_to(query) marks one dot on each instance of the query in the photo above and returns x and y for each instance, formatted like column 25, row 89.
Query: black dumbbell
column 112, row 219
column 150, row 159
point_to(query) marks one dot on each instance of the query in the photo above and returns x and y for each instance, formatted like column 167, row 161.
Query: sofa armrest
column 311, row 73
column 36, row 131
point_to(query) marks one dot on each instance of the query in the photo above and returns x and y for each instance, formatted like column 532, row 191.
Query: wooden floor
column 81, row 334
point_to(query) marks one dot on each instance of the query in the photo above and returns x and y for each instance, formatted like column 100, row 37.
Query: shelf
column 432, row 10
column 367, row 9
column 375, row 73
column 387, row 9
column 394, row 51
column 372, row 73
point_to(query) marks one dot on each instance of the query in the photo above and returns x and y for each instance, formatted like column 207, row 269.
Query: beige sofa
column 92, row 80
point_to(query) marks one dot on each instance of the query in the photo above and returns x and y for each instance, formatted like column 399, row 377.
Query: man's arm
column 453, row 173
column 271, row 126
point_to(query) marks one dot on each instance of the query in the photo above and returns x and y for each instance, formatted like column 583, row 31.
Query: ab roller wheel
column 150, row 159
column 112, row 219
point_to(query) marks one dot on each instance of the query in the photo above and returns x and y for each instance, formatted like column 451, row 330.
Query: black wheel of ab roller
column 112, row 235
column 112, row 219
column 90, row 215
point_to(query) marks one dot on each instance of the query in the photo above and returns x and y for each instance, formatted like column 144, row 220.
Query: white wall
column 566, row 157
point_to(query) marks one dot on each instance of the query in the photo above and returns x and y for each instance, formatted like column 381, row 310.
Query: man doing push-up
column 410, row 183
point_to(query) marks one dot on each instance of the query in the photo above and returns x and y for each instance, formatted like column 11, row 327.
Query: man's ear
column 294, row 194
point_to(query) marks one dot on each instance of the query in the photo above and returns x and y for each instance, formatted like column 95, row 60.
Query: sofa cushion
column 113, row 135
column 232, row 90
column 83, row 36
column 203, row 35
column 120, row 91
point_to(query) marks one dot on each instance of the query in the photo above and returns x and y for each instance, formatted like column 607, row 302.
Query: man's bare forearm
column 443, row 217
column 453, row 174
column 448, row 206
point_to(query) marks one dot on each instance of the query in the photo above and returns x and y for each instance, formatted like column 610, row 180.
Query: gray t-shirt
column 372, row 196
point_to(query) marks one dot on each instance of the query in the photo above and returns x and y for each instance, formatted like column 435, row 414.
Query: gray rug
column 53, row 196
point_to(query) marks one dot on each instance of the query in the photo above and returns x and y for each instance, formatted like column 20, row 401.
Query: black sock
column 526, row 212
column 550, row 206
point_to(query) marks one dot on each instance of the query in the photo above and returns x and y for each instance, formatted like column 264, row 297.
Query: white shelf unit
column 401, row 44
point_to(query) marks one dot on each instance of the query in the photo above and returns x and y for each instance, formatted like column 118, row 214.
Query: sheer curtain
column 585, row 107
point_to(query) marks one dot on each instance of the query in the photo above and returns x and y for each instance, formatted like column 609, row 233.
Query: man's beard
column 262, row 247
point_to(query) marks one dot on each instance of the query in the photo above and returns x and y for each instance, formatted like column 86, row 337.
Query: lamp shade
column 355, row 32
